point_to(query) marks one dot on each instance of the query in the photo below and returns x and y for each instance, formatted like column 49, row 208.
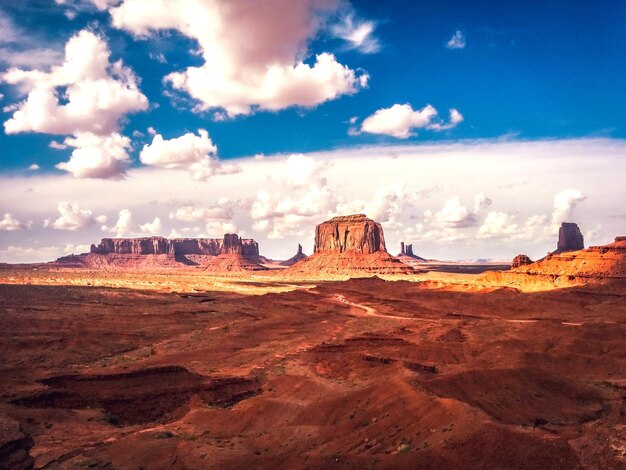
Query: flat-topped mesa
column 230, row 244
column 570, row 238
column 351, row 233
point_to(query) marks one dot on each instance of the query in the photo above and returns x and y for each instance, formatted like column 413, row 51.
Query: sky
column 468, row 129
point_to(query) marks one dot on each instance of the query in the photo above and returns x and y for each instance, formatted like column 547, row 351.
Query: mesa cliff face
column 230, row 244
column 351, row 233
column 352, row 245
column 230, row 253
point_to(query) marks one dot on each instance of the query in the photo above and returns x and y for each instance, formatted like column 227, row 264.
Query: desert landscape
column 312, row 234
column 156, row 353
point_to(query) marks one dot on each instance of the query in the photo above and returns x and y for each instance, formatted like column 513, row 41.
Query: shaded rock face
column 230, row 244
column 520, row 260
column 349, row 234
column 406, row 250
column 295, row 258
column 14, row 445
column 570, row 238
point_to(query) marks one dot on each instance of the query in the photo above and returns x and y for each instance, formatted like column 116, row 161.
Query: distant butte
column 353, row 245
column 570, row 238
column 229, row 253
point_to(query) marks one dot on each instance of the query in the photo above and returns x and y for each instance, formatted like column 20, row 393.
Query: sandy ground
column 128, row 371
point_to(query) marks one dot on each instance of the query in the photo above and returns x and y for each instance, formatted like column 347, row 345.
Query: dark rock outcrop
column 570, row 238
column 14, row 445
column 299, row 256
column 351, row 233
column 230, row 244
column 406, row 251
column 520, row 260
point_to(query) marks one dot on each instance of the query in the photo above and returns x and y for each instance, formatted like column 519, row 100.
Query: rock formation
column 14, row 445
column 231, row 243
column 570, row 238
column 520, row 260
column 351, row 245
column 230, row 253
column 406, row 250
column 299, row 256
column 350, row 233
column 595, row 264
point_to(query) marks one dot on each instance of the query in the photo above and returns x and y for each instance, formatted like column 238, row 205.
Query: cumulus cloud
column 33, row 167
column 87, row 93
column 96, row 156
column 303, row 195
column 481, row 201
column 74, row 218
column 253, row 57
column 10, row 224
column 457, row 41
column 188, row 213
column 453, row 215
column 564, row 204
column 152, row 228
column 359, row 35
column 196, row 153
column 123, row 226
column 400, row 120
column 86, row 97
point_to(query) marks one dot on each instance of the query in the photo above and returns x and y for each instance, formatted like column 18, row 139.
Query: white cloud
column 57, row 145
column 453, row 215
column 358, row 34
column 97, row 156
column 481, row 201
column 195, row 153
column 400, row 120
column 33, row 167
column 564, row 204
column 10, row 224
column 86, row 93
column 253, row 57
column 196, row 214
column 152, row 228
column 457, row 41
column 74, row 218
column 123, row 226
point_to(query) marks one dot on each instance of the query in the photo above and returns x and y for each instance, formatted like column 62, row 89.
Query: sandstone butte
column 349, row 245
column 299, row 256
column 570, row 238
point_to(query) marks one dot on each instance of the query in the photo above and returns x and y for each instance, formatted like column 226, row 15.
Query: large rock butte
column 520, row 260
column 352, row 245
column 570, row 238
column 299, row 256
column 350, row 233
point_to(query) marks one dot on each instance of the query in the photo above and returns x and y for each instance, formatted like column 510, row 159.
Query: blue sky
column 346, row 76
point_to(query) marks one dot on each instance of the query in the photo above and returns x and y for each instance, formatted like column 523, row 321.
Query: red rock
column 14, row 445
column 351, row 233
column 231, row 243
column 520, row 260
column 299, row 256
column 570, row 238
column 349, row 245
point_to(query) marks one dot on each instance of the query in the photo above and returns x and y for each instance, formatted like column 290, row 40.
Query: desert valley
column 198, row 353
